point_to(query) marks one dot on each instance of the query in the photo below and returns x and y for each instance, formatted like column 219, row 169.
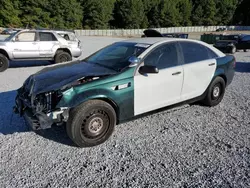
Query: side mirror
column 134, row 61
column 148, row 69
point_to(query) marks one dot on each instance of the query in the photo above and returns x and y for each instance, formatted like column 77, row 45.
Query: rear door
column 47, row 41
column 199, row 68
column 25, row 46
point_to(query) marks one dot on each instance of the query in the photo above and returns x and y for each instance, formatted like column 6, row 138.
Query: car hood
column 54, row 78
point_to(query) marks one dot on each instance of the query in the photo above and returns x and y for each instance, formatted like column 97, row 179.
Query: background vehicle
column 38, row 45
column 9, row 31
column 155, row 33
column 232, row 43
column 221, row 29
column 121, row 81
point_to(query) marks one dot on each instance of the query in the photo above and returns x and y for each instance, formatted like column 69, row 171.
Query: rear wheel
column 4, row 63
column 245, row 50
column 91, row 123
column 62, row 56
column 215, row 92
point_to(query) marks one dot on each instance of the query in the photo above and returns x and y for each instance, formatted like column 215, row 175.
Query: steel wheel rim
column 95, row 125
column 216, row 92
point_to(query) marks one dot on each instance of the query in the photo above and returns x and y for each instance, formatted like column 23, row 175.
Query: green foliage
column 129, row 14
column 242, row 16
column 9, row 13
column 96, row 14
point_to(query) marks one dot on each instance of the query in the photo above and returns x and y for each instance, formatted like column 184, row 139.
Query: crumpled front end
column 40, row 110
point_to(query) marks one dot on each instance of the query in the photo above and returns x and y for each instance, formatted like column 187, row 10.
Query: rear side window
column 163, row 57
column 194, row 52
column 212, row 54
column 47, row 36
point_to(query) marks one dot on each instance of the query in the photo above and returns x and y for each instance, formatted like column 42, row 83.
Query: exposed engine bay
column 42, row 109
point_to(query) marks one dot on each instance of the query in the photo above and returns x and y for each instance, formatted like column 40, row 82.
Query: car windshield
column 116, row 56
column 10, row 37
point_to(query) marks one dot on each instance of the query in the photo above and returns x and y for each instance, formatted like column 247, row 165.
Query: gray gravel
column 190, row 146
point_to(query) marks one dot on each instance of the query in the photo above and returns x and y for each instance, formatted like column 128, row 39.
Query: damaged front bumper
column 39, row 120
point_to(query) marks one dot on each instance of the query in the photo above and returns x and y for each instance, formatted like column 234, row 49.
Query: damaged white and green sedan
column 121, row 81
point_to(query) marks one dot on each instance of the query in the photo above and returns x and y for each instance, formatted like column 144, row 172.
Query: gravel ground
column 190, row 146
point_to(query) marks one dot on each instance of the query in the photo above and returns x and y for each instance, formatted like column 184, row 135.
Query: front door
column 154, row 91
column 25, row 46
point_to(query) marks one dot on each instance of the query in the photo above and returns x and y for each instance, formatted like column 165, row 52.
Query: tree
column 129, row 14
column 97, row 14
column 242, row 13
column 65, row 14
column 185, row 11
column 9, row 13
column 204, row 12
column 34, row 13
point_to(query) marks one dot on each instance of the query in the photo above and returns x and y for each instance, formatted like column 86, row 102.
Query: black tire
column 62, row 56
column 245, row 50
column 91, row 123
column 4, row 63
column 215, row 92
column 233, row 50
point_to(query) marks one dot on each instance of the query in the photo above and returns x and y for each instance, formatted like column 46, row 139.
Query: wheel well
column 113, row 104
column 224, row 78
column 4, row 53
column 63, row 50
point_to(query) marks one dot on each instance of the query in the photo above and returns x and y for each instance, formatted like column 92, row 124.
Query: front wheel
column 215, row 92
column 91, row 123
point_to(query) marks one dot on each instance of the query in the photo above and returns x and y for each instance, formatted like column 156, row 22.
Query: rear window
column 68, row 36
column 194, row 52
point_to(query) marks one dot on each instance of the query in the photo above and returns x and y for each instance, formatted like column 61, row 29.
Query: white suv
column 55, row 46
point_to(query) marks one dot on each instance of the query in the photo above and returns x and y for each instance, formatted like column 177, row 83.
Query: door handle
column 176, row 73
column 211, row 64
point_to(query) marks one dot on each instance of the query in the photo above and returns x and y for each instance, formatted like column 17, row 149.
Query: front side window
column 46, row 36
column 163, row 57
column 116, row 56
column 26, row 37
column 194, row 52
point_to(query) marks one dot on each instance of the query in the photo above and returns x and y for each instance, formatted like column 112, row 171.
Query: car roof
column 155, row 40
column 160, row 40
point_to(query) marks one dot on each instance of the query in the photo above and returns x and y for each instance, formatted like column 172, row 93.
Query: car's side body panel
column 117, row 89
column 225, row 68
column 197, row 77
